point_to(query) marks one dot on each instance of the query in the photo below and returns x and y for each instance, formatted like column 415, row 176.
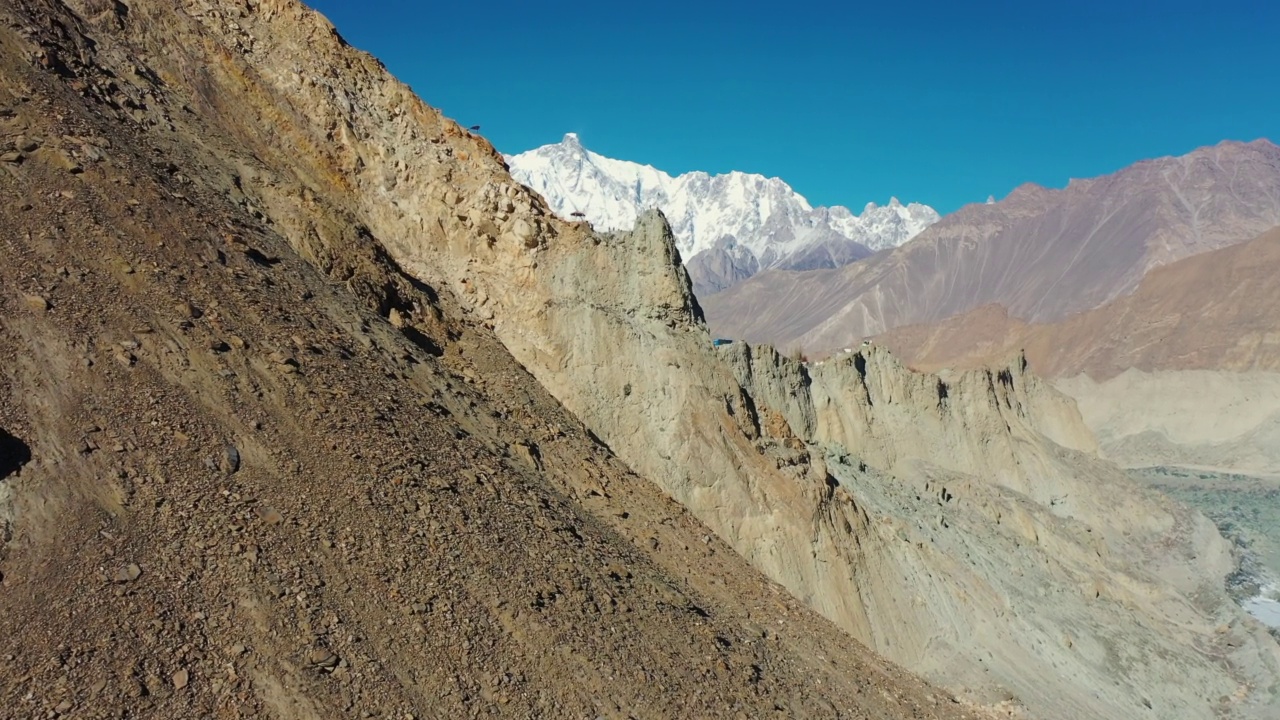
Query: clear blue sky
column 940, row 101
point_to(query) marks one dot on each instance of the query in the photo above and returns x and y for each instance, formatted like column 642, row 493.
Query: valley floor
column 1246, row 509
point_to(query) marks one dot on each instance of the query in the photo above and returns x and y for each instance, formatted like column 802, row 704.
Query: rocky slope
column 994, row 543
column 959, row 525
column 1182, row 371
column 250, row 468
column 1042, row 254
column 728, row 227
column 608, row 325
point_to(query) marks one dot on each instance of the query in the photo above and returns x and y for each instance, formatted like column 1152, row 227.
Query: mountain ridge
column 1041, row 253
column 1212, row 311
column 1183, row 370
column 766, row 222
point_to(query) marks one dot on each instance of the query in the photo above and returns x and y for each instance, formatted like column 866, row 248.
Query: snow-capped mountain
column 762, row 221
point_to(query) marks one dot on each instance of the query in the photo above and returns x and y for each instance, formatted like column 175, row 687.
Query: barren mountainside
column 327, row 415
column 1041, row 254
column 1186, row 370
column 1219, row 310
column 253, row 469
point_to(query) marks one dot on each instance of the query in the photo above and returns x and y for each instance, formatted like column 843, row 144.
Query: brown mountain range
column 1186, row 370
column 1218, row 310
column 1042, row 254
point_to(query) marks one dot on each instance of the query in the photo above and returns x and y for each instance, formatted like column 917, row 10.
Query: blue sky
column 942, row 102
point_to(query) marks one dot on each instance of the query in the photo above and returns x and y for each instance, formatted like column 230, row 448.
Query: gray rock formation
column 1184, row 370
column 725, row 264
column 979, row 525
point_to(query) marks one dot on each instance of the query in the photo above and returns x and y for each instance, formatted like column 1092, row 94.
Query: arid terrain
column 1183, row 371
column 245, row 478
column 309, row 410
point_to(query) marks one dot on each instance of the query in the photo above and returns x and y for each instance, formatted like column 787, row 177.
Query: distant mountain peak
column 766, row 218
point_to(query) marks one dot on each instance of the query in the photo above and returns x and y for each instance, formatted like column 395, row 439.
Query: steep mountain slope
column 1185, row 370
column 252, row 469
column 763, row 222
column 1042, row 254
column 609, row 326
column 959, row 525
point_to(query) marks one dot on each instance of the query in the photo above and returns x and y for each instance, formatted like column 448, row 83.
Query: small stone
column 525, row 232
column 237, row 342
column 128, row 573
column 270, row 516
column 154, row 684
column 125, row 358
column 36, row 302
column 219, row 346
column 322, row 658
column 187, row 310
column 13, row 157
column 284, row 362
column 236, row 650
column 229, row 460
column 180, row 679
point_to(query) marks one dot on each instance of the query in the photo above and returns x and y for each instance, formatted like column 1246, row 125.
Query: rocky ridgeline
column 961, row 526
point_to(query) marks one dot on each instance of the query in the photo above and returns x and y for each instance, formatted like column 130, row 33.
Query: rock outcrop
column 989, row 548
